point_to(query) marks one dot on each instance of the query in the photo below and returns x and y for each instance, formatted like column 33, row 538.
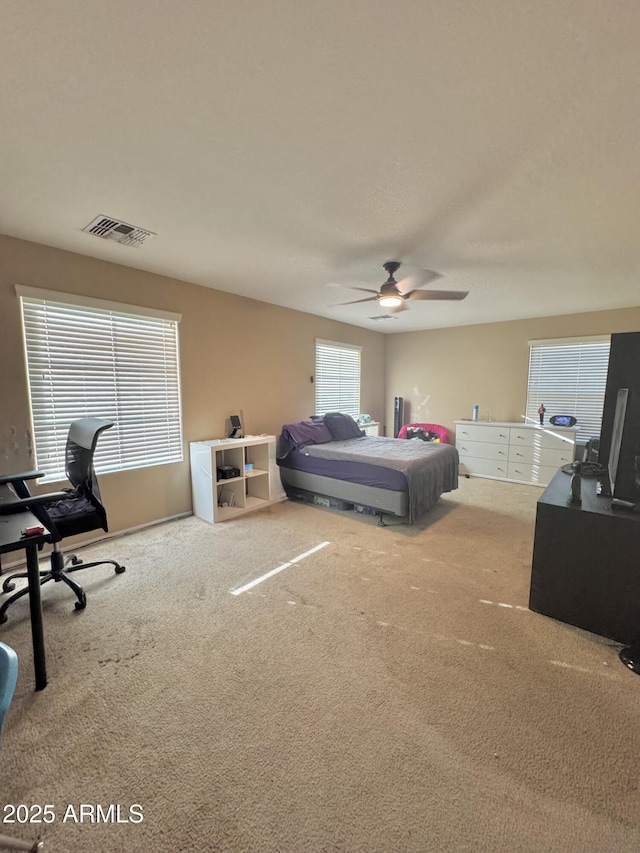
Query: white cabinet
column 371, row 428
column 218, row 497
column 510, row 451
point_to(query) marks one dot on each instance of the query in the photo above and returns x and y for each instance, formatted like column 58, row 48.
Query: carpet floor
column 389, row 691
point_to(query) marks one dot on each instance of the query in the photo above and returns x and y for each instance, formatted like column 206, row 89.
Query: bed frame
column 383, row 501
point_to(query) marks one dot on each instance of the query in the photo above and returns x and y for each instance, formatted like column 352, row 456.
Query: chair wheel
column 80, row 605
column 8, row 587
column 120, row 570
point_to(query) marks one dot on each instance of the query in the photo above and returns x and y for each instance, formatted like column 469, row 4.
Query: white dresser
column 511, row 451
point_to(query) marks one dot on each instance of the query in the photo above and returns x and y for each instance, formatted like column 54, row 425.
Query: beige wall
column 240, row 355
column 237, row 355
column 443, row 373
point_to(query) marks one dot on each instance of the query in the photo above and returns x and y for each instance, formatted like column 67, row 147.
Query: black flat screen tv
column 616, row 437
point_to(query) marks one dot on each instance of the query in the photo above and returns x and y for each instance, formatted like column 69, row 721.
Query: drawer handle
column 501, row 452
column 500, row 469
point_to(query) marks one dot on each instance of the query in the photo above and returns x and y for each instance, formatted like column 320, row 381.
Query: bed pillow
column 308, row 432
column 342, row 426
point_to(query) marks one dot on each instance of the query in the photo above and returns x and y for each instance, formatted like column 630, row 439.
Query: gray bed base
column 382, row 500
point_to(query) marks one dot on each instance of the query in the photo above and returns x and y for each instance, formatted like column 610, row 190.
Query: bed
column 331, row 457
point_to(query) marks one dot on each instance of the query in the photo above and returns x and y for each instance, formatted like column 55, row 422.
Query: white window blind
column 97, row 359
column 337, row 378
column 569, row 377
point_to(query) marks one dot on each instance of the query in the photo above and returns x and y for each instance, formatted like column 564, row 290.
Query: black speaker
column 398, row 415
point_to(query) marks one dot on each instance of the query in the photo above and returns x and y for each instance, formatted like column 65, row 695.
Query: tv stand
column 585, row 568
column 618, row 503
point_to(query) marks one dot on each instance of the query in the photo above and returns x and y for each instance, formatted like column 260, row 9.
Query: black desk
column 11, row 539
column 586, row 562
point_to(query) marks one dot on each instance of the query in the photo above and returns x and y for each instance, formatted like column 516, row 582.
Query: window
column 569, row 377
column 337, row 378
column 92, row 358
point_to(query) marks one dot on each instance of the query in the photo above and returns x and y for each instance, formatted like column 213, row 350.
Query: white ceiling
column 279, row 146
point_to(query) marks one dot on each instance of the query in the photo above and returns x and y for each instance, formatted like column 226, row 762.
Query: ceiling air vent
column 385, row 317
column 114, row 229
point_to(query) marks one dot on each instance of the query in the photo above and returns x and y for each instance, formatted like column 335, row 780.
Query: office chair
column 8, row 680
column 66, row 513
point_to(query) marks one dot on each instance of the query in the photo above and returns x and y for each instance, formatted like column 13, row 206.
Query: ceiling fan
column 394, row 294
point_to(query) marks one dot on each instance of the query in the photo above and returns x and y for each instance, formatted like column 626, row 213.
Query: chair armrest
column 14, row 478
column 19, row 504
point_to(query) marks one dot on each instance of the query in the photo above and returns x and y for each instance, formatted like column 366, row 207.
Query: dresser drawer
column 483, row 467
column 482, row 432
column 538, row 475
column 542, row 438
column 482, row 449
column 521, row 437
column 556, row 456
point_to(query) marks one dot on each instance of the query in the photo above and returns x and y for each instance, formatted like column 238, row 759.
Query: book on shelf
column 227, row 498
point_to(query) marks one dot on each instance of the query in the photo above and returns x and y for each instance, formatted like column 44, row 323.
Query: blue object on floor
column 8, row 679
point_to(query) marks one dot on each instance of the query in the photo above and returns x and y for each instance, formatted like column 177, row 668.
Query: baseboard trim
column 6, row 567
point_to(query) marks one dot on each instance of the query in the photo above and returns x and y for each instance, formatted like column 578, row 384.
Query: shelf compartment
column 257, row 487
column 253, row 502
column 236, row 488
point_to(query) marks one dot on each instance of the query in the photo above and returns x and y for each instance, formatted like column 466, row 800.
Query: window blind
column 569, row 377
column 337, row 378
column 93, row 360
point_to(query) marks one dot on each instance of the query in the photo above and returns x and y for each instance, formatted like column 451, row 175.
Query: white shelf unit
column 253, row 489
column 519, row 453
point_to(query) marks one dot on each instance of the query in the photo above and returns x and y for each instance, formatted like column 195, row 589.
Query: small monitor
column 563, row 420
column 235, row 425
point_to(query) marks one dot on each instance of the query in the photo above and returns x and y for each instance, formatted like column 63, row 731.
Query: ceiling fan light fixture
column 389, row 300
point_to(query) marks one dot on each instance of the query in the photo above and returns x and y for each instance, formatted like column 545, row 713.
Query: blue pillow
column 342, row 426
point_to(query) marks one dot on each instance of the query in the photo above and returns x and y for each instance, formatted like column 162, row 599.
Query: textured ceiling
column 282, row 146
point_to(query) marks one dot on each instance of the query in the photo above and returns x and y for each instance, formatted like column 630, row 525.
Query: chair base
column 61, row 567
column 630, row 657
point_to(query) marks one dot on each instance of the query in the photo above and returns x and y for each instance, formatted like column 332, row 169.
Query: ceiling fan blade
column 417, row 279
column 353, row 287
column 356, row 301
column 436, row 294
